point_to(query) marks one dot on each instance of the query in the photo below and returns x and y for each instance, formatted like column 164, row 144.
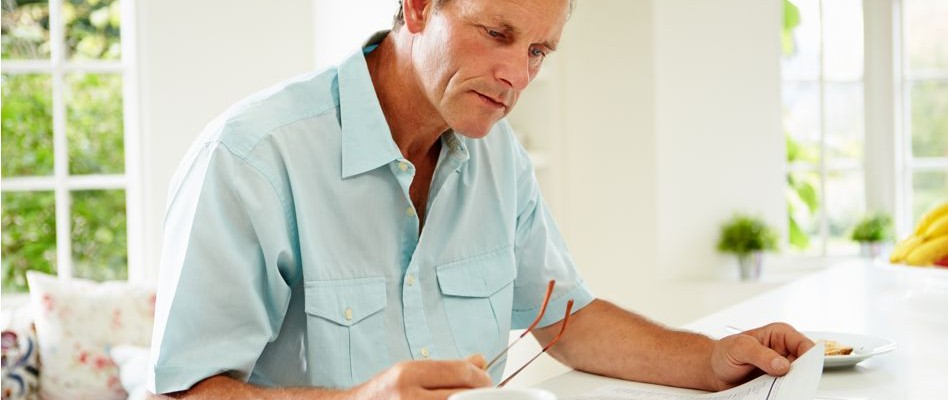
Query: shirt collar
column 366, row 139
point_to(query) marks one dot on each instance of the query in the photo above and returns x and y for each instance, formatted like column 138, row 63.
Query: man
column 374, row 231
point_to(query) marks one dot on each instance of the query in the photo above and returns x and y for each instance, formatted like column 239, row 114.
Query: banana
column 937, row 228
column 930, row 217
column 928, row 252
column 904, row 247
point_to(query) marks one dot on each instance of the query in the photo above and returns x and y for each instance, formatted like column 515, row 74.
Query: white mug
column 503, row 394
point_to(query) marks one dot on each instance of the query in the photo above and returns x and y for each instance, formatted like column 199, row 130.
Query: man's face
column 474, row 57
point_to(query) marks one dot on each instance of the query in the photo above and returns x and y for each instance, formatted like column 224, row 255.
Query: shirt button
column 410, row 280
column 403, row 166
column 410, row 211
column 425, row 353
column 348, row 314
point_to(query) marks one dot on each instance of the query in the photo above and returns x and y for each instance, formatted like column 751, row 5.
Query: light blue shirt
column 292, row 256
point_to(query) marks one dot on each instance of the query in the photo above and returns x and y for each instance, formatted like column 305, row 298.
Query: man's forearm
column 224, row 387
column 606, row 340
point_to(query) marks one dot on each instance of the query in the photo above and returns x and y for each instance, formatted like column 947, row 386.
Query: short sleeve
column 227, row 269
column 541, row 256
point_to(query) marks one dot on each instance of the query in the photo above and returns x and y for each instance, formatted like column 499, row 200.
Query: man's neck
column 415, row 124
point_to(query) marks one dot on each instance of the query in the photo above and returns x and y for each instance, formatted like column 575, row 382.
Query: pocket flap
column 345, row 301
column 479, row 276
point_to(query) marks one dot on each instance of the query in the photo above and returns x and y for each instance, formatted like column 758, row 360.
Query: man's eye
column 537, row 53
column 495, row 34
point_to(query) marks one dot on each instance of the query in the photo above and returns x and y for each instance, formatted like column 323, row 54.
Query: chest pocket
column 478, row 299
column 346, row 330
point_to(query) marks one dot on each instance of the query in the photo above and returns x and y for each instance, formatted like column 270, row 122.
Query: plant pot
column 871, row 249
column 751, row 264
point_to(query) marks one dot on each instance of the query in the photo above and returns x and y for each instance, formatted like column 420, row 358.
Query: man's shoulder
column 245, row 124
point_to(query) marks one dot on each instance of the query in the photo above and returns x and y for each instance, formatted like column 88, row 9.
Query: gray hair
column 399, row 19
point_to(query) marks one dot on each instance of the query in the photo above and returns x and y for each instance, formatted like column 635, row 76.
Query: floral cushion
column 77, row 322
column 20, row 365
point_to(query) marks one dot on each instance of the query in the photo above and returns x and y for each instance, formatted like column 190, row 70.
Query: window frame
column 888, row 165
column 825, row 167
column 888, row 115
column 904, row 80
column 61, row 182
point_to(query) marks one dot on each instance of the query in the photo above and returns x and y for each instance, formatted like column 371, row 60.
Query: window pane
column 92, row 29
column 94, row 123
column 842, row 39
column 98, row 234
column 803, row 197
column 845, row 132
column 801, row 118
column 804, row 63
column 845, row 204
column 25, row 30
column 29, row 236
column 929, row 108
column 926, row 34
column 27, row 125
column 929, row 189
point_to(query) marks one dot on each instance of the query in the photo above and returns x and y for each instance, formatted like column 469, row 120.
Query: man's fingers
column 478, row 360
column 783, row 339
column 747, row 350
column 452, row 374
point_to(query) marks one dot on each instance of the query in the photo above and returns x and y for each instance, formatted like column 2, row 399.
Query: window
column 67, row 133
column 822, row 72
column 842, row 58
column 924, row 83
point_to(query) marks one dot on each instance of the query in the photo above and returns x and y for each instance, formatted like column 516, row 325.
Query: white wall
column 197, row 58
column 672, row 123
column 609, row 158
column 341, row 26
column 718, row 126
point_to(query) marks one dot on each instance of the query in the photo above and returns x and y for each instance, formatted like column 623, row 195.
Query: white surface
column 799, row 383
column 905, row 304
column 864, row 347
column 503, row 394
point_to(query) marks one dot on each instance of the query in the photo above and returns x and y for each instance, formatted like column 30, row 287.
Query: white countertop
column 908, row 305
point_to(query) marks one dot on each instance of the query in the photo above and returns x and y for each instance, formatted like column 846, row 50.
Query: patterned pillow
column 77, row 322
column 20, row 365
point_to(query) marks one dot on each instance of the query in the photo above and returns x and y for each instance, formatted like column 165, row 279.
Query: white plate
column 864, row 346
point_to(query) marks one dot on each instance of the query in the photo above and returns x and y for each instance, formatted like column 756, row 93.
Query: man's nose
column 515, row 70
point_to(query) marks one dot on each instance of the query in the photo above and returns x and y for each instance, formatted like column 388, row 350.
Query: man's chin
column 475, row 131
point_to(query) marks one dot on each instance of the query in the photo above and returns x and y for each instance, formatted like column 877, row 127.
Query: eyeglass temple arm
column 546, row 301
column 569, row 308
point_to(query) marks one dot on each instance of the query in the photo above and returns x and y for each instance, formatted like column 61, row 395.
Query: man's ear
column 416, row 14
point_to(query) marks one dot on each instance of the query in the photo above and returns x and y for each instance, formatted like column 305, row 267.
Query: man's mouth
column 491, row 101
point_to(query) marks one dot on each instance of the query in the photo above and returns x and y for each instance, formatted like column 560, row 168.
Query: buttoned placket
column 419, row 336
column 420, row 340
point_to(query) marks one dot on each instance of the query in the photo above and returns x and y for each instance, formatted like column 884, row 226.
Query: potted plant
column 872, row 232
column 747, row 237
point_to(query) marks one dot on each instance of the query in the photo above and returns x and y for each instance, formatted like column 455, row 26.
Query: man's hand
column 770, row 349
column 425, row 380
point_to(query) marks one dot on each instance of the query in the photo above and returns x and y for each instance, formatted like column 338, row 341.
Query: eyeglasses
column 546, row 301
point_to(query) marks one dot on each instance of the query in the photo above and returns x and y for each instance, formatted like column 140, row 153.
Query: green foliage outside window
column 27, row 125
column 94, row 135
column 29, row 236
column 801, row 195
